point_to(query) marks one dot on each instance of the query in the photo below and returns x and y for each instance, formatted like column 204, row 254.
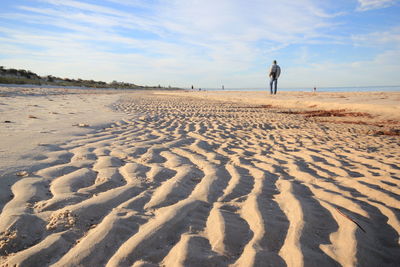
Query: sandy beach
column 178, row 178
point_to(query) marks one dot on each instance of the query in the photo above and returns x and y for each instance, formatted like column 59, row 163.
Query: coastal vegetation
column 21, row 76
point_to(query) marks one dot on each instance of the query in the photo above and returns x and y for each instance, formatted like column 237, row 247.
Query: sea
column 318, row 89
column 294, row 89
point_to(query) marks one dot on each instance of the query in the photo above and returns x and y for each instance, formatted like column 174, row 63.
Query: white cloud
column 390, row 37
column 228, row 20
column 365, row 5
column 381, row 70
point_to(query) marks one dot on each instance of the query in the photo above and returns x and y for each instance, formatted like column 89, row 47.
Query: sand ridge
column 194, row 182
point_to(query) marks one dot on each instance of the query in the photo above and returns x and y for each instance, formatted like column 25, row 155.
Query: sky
column 205, row 43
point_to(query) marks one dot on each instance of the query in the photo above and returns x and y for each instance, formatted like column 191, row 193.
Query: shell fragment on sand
column 81, row 125
column 22, row 173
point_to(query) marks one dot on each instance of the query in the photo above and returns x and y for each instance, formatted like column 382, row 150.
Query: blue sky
column 207, row 43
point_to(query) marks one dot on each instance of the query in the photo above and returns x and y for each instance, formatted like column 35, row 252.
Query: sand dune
column 184, row 181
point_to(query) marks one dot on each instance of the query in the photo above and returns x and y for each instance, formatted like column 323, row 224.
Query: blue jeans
column 273, row 82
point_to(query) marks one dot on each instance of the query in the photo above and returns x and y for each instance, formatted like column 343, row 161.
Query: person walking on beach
column 274, row 73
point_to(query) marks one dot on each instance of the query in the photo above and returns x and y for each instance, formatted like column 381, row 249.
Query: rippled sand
column 184, row 181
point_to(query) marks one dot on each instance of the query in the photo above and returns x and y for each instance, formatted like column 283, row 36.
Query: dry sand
column 199, row 179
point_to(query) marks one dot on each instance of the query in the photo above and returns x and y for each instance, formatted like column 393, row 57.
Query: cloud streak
column 365, row 5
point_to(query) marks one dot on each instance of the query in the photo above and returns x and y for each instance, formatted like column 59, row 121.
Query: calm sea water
column 321, row 89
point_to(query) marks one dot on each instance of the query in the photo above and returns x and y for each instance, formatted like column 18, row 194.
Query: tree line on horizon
column 21, row 76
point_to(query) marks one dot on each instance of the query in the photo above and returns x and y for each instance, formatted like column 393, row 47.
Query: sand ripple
column 186, row 182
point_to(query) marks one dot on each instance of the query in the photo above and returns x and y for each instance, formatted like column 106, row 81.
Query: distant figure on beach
column 223, row 87
column 315, row 89
column 274, row 73
column 192, row 87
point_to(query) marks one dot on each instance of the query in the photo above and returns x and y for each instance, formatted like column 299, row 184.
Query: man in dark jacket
column 274, row 73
